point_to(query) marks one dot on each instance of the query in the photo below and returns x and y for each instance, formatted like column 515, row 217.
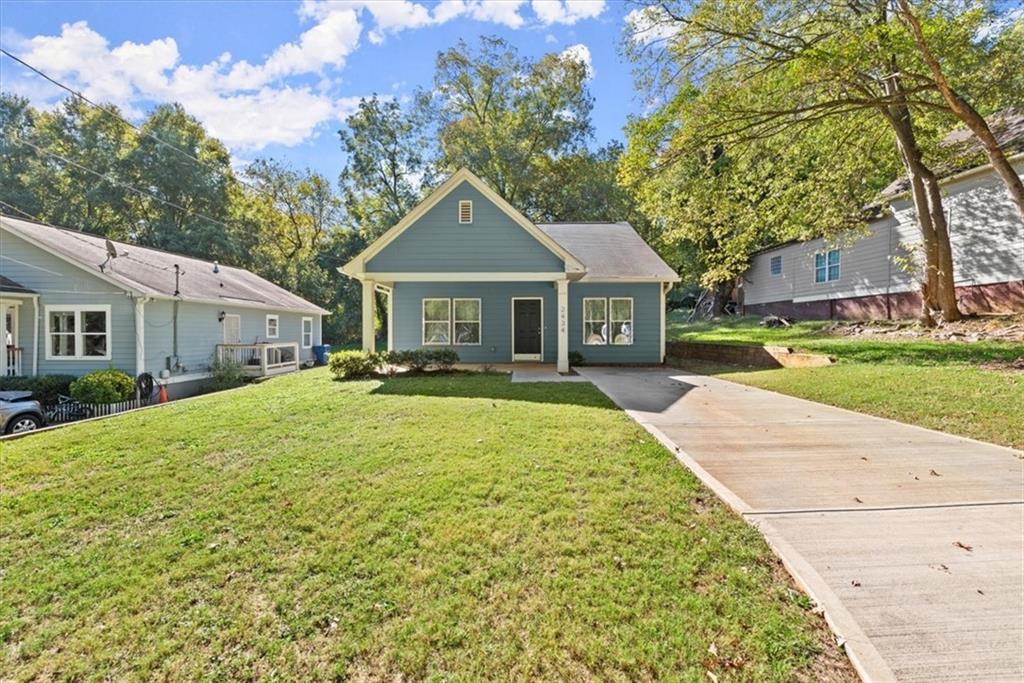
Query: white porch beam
column 368, row 311
column 563, row 326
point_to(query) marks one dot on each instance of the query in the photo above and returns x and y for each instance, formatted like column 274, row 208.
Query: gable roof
column 357, row 266
column 11, row 287
column 150, row 272
column 610, row 251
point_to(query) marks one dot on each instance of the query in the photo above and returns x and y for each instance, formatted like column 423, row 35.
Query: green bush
column 44, row 388
column 353, row 364
column 225, row 374
column 443, row 359
column 576, row 358
column 103, row 386
column 415, row 360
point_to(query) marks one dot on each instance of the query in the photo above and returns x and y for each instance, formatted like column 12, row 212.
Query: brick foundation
column 1000, row 297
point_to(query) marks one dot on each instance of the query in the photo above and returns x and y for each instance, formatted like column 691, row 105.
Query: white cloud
column 550, row 39
column 580, row 53
column 566, row 11
column 650, row 24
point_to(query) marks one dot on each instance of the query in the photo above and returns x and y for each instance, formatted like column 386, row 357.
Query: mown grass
column 441, row 528
column 942, row 385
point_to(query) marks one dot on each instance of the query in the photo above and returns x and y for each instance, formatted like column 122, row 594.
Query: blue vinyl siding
column 60, row 283
column 495, row 316
column 646, row 346
column 493, row 242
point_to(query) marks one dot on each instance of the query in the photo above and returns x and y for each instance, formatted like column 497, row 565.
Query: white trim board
column 463, row 277
column 357, row 267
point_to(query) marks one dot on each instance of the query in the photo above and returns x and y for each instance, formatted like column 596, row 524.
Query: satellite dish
column 111, row 254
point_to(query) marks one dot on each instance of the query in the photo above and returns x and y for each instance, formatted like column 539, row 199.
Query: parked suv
column 19, row 412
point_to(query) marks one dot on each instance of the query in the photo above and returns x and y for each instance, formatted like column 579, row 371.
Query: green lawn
column 937, row 384
column 443, row 528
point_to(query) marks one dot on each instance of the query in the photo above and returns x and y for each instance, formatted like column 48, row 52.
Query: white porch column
column 368, row 310
column 140, row 336
column 391, row 318
column 563, row 326
column 665, row 288
column 35, row 335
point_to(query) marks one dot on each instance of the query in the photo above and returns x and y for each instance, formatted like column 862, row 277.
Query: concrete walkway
column 911, row 540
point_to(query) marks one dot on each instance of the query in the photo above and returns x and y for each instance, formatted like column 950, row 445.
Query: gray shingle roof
column 151, row 272
column 9, row 285
column 610, row 251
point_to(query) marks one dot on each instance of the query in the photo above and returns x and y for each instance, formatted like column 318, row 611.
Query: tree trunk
column 930, row 269
column 966, row 113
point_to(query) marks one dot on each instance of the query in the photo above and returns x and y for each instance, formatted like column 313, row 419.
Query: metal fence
column 70, row 410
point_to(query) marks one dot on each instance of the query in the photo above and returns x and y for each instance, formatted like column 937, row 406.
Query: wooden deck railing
column 258, row 360
column 12, row 362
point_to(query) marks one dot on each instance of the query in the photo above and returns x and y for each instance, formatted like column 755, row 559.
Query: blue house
column 466, row 270
column 74, row 302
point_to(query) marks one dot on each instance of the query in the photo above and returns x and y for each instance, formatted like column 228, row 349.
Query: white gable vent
column 465, row 211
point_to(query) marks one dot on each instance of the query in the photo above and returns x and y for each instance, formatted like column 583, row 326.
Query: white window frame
column 607, row 327
column 612, row 321
column 771, row 264
column 303, row 333
column 827, row 266
column 424, row 321
column 467, row 203
column 479, row 322
column 277, row 326
column 79, row 334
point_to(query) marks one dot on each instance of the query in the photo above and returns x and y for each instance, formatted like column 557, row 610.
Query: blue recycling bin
column 321, row 351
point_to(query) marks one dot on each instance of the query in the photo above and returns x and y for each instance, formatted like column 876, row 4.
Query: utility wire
column 26, row 214
column 111, row 112
column 115, row 181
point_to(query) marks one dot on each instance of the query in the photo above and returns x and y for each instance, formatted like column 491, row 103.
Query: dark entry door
column 526, row 334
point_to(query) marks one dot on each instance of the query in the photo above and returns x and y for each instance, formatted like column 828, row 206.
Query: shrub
column 576, row 358
column 44, row 388
column 443, row 359
column 225, row 374
column 103, row 386
column 353, row 364
column 416, row 360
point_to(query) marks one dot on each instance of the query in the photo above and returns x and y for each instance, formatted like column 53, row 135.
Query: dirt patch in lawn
column 978, row 328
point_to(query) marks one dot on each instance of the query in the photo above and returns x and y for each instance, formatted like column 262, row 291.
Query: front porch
column 12, row 297
column 261, row 360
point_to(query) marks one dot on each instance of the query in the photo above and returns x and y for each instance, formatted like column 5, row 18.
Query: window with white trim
column 620, row 311
column 595, row 321
column 437, row 322
column 467, row 321
column 273, row 325
column 465, row 211
column 307, row 333
column 826, row 266
column 776, row 265
column 77, row 332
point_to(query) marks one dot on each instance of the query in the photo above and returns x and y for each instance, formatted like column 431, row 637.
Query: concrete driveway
column 911, row 540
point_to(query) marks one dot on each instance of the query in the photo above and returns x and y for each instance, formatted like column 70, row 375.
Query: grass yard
column 443, row 528
column 946, row 385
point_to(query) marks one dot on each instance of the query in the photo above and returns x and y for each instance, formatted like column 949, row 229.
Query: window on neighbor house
column 273, row 326
column 776, row 265
column 307, row 333
column 465, row 211
column 78, row 332
column 595, row 321
column 621, row 314
column 467, row 321
column 437, row 322
column 826, row 266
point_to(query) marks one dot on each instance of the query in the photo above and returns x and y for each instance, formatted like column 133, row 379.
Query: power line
column 115, row 181
column 111, row 112
column 26, row 214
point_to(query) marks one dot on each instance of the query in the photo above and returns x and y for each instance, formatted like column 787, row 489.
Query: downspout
column 35, row 335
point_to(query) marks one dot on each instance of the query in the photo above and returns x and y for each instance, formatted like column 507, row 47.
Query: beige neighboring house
column 871, row 276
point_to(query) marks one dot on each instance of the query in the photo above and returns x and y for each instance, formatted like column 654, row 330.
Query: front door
column 527, row 329
column 232, row 329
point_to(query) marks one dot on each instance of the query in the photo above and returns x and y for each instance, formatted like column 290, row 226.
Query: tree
column 506, row 117
column 765, row 70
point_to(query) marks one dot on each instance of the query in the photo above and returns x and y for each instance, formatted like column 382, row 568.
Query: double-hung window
column 776, row 265
column 77, row 332
column 437, row 322
column 595, row 321
column 307, row 333
column 467, row 321
column 273, row 325
column 621, row 314
column 826, row 266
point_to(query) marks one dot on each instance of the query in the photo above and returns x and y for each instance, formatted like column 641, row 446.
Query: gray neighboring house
column 69, row 309
column 864, row 275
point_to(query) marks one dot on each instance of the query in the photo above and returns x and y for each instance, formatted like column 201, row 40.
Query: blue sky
column 277, row 78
